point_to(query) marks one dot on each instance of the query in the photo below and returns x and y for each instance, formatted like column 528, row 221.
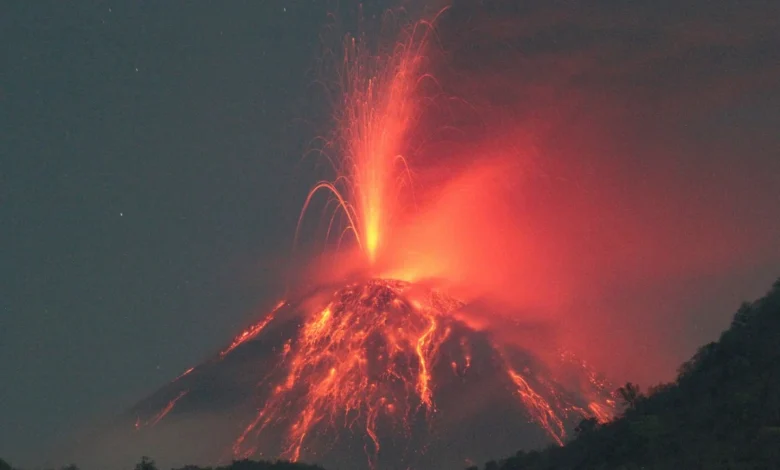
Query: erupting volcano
column 384, row 367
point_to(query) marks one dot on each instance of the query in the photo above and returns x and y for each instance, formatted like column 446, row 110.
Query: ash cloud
column 706, row 53
column 630, row 169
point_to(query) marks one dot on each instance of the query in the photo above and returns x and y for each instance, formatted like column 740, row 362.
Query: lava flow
column 163, row 412
column 366, row 361
column 380, row 364
column 361, row 358
column 250, row 332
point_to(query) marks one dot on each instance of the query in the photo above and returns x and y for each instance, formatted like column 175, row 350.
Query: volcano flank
column 381, row 373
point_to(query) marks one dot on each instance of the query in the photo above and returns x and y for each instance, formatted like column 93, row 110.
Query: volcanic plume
column 390, row 359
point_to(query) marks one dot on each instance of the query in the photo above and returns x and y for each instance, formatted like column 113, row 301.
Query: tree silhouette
column 630, row 394
column 586, row 425
column 146, row 464
column 722, row 412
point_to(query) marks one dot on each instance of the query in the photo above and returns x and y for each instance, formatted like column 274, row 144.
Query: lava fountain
column 378, row 108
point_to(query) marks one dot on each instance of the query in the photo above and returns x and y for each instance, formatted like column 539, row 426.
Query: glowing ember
column 539, row 409
column 162, row 413
column 600, row 391
column 184, row 374
column 252, row 331
column 379, row 108
column 603, row 412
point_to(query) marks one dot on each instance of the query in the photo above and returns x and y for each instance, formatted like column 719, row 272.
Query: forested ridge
column 722, row 412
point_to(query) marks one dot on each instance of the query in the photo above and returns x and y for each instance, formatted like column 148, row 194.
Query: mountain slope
column 379, row 373
column 722, row 412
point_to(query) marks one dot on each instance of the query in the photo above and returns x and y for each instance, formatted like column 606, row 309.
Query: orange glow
column 250, row 332
column 479, row 237
column 379, row 107
column 162, row 413
column 539, row 408
column 366, row 361
column 601, row 412
column 184, row 374
column 365, row 358
column 367, row 354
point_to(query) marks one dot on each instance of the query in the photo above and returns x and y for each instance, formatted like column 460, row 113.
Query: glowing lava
column 366, row 360
column 365, row 355
column 380, row 364
column 379, row 107
column 539, row 408
column 250, row 332
column 162, row 413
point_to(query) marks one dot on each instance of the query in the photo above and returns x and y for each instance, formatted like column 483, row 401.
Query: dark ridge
column 722, row 412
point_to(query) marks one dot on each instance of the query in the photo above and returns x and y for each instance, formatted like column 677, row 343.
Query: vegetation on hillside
column 722, row 412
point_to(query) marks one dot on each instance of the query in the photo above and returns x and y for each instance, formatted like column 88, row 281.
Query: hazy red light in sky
column 560, row 188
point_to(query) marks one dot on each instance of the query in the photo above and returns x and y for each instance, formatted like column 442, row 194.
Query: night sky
column 151, row 173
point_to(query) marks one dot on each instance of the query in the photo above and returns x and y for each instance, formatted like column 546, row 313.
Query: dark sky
column 150, row 174
column 149, row 156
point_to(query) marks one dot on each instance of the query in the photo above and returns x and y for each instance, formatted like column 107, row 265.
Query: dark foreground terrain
column 722, row 412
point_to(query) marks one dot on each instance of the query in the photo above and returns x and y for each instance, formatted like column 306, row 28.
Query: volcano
column 379, row 373
column 385, row 371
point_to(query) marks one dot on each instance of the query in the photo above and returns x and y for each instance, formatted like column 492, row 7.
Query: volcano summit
column 381, row 373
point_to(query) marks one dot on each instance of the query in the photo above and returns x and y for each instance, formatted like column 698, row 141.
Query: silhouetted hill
column 255, row 465
column 722, row 412
column 148, row 464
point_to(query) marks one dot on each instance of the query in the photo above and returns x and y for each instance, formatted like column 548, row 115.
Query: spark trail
column 162, row 413
column 380, row 105
column 253, row 330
